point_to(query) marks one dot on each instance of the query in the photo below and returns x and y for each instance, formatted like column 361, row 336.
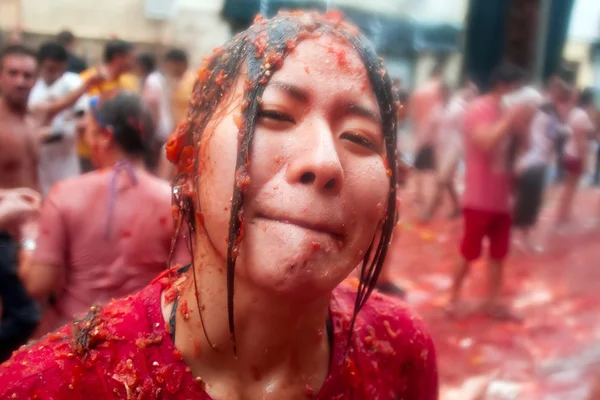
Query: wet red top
column 130, row 355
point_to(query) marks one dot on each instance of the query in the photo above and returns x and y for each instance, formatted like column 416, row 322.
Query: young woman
column 580, row 128
column 286, row 181
column 105, row 234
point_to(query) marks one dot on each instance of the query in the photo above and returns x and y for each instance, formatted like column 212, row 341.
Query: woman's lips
column 321, row 227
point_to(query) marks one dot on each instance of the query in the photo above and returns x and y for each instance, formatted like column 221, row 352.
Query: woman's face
column 318, row 182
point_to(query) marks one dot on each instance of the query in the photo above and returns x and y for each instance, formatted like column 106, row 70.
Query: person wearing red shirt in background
column 489, row 130
column 285, row 178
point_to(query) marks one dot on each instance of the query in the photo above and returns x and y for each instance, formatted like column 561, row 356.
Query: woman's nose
column 316, row 162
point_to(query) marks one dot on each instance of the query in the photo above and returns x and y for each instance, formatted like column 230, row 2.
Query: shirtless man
column 20, row 133
column 423, row 103
column 18, row 169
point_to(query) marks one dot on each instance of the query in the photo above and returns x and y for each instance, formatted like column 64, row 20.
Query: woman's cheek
column 369, row 186
column 218, row 152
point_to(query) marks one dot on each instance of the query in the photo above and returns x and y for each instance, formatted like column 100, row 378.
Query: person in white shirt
column 580, row 129
column 548, row 125
column 58, row 156
column 156, row 96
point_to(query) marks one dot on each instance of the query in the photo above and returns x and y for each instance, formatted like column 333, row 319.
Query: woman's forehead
column 326, row 54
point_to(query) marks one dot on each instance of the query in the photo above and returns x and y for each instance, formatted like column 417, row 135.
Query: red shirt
column 487, row 174
column 131, row 356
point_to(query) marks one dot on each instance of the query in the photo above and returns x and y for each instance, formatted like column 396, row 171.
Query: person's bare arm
column 43, row 265
column 44, row 112
column 41, row 280
column 487, row 136
column 33, row 144
column 17, row 205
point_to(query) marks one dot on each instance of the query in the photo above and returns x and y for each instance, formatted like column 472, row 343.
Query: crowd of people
column 510, row 138
column 88, row 141
column 278, row 181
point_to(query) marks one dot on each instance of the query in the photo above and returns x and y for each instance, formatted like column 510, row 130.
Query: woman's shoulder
column 389, row 343
column 82, row 359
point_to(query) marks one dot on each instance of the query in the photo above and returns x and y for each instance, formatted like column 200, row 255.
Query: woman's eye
column 275, row 116
column 360, row 140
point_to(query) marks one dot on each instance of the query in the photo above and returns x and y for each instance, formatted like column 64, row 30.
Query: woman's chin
column 300, row 274
column 293, row 261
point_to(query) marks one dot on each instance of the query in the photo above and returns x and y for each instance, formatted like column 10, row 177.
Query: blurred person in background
column 580, row 129
column 423, row 103
column 547, row 127
column 58, row 156
column 118, row 62
column 155, row 95
column 489, row 128
column 449, row 149
column 107, row 233
column 181, row 81
column 75, row 63
column 21, row 129
column 19, row 150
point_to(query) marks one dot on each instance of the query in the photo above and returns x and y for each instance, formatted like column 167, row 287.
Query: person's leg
column 436, row 201
column 565, row 201
column 424, row 164
column 385, row 282
column 455, row 212
column 560, row 168
column 460, row 273
column 470, row 249
column 499, row 236
column 20, row 313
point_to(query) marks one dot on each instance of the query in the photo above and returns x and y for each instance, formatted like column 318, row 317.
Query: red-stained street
column 555, row 352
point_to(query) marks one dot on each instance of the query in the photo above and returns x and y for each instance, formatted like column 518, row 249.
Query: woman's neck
column 276, row 338
column 113, row 159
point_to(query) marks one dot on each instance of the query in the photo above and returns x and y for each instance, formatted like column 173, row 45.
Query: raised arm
column 44, row 112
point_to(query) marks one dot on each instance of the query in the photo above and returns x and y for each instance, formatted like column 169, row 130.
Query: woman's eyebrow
column 362, row 111
column 293, row 91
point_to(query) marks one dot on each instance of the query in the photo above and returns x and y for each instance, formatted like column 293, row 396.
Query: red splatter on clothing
column 117, row 367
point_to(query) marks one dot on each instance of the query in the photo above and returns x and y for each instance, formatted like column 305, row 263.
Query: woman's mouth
column 335, row 231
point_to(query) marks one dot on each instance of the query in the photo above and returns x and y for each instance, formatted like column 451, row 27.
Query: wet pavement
column 554, row 353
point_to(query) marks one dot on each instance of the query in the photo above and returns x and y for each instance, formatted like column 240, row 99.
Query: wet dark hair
column 15, row 50
column 261, row 50
column 147, row 61
column 176, row 55
column 586, row 97
column 130, row 121
column 115, row 48
column 52, row 51
column 65, row 37
column 507, row 73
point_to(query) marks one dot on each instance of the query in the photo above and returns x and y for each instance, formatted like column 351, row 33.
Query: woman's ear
column 107, row 136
